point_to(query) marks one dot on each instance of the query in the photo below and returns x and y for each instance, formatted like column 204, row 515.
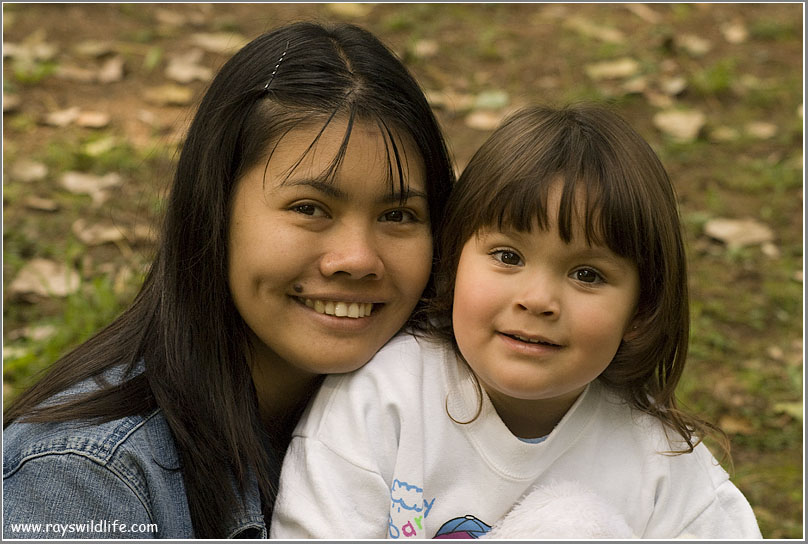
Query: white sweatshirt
column 377, row 456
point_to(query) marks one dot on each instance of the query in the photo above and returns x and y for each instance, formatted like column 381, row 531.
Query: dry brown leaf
column 26, row 170
column 112, row 70
column 613, row 69
column 41, row 204
column 681, row 125
column 61, row 118
column 219, row 42
column 738, row 232
column 169, row 95
column 82, row 183
column 92, row 119
column 348, row 9
column 42, row 277
column 484, row 120
column 587, row 28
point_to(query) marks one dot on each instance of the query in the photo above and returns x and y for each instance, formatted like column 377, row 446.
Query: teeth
column 353, row 310
column 529, row 341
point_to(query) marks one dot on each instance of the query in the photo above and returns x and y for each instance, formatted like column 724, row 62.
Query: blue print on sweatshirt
column 408, row 508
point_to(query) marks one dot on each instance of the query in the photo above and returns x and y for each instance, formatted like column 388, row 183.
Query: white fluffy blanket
column 562, row 510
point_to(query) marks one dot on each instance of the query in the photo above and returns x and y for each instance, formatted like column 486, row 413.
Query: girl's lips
column 530, row 339
column 528, row 347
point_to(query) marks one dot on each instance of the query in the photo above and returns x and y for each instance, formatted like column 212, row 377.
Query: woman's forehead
column 337, row 150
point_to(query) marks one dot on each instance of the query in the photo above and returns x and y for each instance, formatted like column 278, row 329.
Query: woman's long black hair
column 183, row 325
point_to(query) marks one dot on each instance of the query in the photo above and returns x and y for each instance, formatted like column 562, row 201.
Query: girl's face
column 325, row 273
column 538, row 319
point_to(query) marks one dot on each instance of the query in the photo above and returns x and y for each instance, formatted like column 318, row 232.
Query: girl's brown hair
column 629, row 205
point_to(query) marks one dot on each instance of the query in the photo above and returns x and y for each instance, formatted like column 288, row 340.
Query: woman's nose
column 353, row 252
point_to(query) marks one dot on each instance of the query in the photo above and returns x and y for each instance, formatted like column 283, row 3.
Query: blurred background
column 96, row 99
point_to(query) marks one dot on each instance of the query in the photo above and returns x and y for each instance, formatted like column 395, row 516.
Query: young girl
column 297, row 241
column 562, row 323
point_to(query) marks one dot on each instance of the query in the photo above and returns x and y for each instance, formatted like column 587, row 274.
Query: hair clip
column 275, row 70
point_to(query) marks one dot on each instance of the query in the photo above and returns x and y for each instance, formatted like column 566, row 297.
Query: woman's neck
column 283, row 390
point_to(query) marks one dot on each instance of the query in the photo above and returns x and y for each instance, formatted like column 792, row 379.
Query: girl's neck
column 532, row 418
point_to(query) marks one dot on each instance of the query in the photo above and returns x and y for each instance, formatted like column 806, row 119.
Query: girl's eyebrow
column 332, row 190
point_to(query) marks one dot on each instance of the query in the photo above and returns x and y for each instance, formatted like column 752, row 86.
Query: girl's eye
column 398, row 216
column 505, row 256
column 587, row 275
column 309, row 209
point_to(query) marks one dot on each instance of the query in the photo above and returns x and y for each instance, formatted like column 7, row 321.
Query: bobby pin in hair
column 274, row 71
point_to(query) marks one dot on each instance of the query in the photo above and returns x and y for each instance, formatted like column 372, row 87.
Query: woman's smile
column 324, row 269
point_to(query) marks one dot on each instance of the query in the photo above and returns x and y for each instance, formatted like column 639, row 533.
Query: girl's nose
column 352, row 252
column 539, row 297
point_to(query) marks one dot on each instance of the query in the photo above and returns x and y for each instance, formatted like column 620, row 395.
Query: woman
column 297, row 240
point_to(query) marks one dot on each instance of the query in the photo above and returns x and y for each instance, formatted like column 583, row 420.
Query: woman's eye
column 505, row 256
column 308, row 209
column 398, row 216
column 587, row 275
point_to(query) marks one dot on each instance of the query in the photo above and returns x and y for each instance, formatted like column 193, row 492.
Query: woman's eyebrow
column 333, row 190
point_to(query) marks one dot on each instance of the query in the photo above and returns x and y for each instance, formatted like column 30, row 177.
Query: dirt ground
column 87, row 88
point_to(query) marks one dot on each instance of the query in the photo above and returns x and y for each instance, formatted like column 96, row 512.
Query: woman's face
column 324, row 273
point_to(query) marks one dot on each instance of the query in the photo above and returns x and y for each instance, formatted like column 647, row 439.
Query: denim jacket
column 119, row 479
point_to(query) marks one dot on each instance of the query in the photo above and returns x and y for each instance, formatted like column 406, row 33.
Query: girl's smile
column 536, row 318
column 325, row 269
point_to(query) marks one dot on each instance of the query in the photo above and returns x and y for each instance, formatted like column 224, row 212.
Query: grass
column 745, row 365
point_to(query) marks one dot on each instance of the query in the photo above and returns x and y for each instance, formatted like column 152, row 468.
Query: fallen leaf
column 770, row 250
column 644, row 12
column 681, row 125
column 636, row 85
column 761, row 130
column 71, row 72
column 451, row 100
column 219, row 42
column 169, row 95
column 348, row 9
column 96, row 148
column 793, row 409
column 738, row 232
column 41, row 204
column 26, row 170
column 673, row 86
column 112, row 70
column 185, row 68
column 11, row 102
column 735, row 425
column 589, row 29
column 46, row 278
column 724, row 134
column 81, row 183
column 491, row 100
column 484, row 120
column 92, row 119
column 613, row 69
column 775, row 352
column 658, row 99
column 12, row 352
column 695, row 46
column 425, row 48
column 170, row 18
column 734, row 32
column 93, row 48
column 96, row 234
column 61, row 118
